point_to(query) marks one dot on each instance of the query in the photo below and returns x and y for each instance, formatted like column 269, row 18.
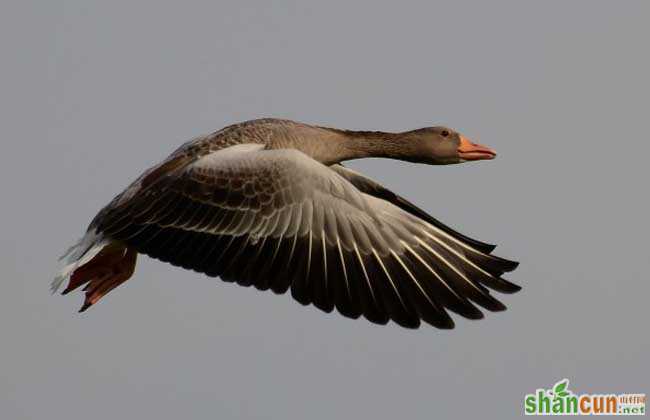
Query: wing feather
column 278, row 220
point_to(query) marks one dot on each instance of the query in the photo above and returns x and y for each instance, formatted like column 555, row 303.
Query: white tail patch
column 77, row 255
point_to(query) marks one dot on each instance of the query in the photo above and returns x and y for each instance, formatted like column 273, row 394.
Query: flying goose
column 267, row 203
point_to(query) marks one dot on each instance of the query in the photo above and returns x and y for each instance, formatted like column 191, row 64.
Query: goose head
column 443, row 146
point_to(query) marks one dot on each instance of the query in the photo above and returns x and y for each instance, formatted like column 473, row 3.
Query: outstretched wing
column 371, row 187
column 279, row 220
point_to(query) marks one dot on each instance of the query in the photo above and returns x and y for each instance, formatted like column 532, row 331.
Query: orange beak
column 472, row 151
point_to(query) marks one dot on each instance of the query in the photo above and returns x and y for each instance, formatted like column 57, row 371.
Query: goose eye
column 444, row 133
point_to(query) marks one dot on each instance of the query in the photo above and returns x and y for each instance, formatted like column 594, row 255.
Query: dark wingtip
column 499, row 308
column 411, row 324
column 513, row 265
column 475, row 314
column 488, row 247
column 446, row 326
column 507, row 265
column 487, row 301
column 442, row 323
column 497, row 265
column 504, row 286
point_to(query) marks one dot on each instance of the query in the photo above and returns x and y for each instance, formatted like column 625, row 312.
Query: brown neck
column 362, row 144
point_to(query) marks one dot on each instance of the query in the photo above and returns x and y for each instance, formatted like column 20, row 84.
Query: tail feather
column 78, row 255
column 97, row 262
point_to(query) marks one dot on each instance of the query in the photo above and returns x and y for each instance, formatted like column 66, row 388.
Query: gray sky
column 95, row 92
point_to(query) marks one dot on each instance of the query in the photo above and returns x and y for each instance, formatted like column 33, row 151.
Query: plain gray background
column 92, row 93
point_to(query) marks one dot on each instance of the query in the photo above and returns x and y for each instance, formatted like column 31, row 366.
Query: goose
column 268, row 203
